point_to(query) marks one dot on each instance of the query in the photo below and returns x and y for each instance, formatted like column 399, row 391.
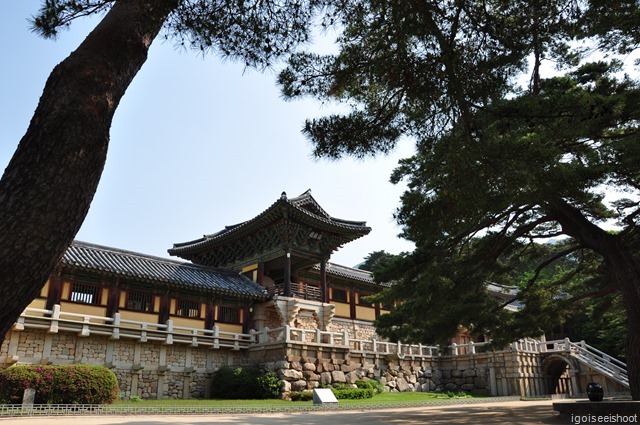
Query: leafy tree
column 47, row 187
column 375, row 260
column 497, row 166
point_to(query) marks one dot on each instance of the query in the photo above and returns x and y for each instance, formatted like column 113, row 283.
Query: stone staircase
column 599, row 361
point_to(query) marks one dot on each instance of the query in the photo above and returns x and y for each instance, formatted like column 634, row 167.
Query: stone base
column 607, row 407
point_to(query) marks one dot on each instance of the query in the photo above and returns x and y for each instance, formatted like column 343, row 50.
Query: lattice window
column 186, row 308
column 139, row 301
column 228, row 314
column 339, row 295
column 84, row 293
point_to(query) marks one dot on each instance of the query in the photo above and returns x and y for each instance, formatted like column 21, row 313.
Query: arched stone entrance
column 560, row 374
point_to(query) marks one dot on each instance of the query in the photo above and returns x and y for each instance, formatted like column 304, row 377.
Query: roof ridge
column 146, row 256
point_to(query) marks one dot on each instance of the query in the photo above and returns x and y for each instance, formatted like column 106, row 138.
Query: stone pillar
column 493, row 384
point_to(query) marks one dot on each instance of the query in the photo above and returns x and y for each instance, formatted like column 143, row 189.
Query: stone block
column 480, row 382
column 325, row 378
column 291, row 374
column 469, row 373
column 337, row 376
column 402, row 385
column 309, row 366
column 351, row 378
column 451, row 387
column 282, row 364
column 300, row 385
column 310, row 376
column 456, row 373
column 296, row 366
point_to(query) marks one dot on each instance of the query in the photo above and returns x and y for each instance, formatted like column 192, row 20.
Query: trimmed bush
column 244, row 383
column 306, row 395
column 352, row 393
column 63, row 384
column 376, row 386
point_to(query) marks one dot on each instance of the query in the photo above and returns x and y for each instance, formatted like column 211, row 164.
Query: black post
column 287, row 274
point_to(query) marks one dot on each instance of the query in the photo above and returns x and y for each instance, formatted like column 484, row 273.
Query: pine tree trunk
column 48, row 186
column 625, row 271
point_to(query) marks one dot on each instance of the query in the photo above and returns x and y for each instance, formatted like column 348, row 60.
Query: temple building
column 269, row 271
column 264, row 293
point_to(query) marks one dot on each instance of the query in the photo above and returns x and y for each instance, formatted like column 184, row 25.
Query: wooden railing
column 298, row 290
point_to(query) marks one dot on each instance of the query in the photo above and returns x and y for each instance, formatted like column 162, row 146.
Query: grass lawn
column 380, row 398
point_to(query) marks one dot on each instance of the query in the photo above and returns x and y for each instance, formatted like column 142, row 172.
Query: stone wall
column 155, row 370
column 356, row 329
column 150, row 370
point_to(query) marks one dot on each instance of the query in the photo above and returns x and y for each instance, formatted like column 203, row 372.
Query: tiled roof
column 303, row 208
column 351, row 273
column 160, row 270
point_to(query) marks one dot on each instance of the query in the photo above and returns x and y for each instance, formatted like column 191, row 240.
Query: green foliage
column 66, row 384
column 301, row 395
column 353, row 393
column 371, row 384
column 499, row 164
column 244, row 383
column 269, row 385
column 255, row 32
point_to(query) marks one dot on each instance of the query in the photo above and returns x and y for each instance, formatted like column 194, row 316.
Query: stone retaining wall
column 154, row 370
column 150, row 370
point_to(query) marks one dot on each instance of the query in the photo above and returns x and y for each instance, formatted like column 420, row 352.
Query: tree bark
column 47, row 187
column 625, row 271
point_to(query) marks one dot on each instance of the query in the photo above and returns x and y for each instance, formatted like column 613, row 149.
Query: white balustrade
column 116, row 327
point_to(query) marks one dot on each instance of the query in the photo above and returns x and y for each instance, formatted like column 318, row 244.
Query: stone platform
column 623, row 407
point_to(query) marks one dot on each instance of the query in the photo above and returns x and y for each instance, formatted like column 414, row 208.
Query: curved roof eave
column 279, row 209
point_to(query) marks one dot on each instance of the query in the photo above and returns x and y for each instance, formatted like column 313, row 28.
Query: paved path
column 514, row 412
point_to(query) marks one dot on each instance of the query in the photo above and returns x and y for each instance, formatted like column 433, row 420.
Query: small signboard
column 324, row 397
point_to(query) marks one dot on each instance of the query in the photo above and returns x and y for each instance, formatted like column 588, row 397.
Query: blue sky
column 196, row 144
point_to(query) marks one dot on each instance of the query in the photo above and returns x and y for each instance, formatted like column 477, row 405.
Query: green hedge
column 244, row 383
column 63, row 384
column 352, row 393
column 343, row 392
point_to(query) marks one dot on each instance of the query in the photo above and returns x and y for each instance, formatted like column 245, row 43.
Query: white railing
column 115, row 327
column 601, row 362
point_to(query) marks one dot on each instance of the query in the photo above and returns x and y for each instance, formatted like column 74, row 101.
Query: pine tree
column 499, row 163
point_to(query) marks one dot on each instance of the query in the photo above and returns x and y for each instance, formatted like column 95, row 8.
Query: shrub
column 352, row 393
column 269, row 385
column 301, row 395
column 244, row 383
column 376, row 386
column 63, row 384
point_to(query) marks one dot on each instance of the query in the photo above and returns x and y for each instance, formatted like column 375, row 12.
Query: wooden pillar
column 260, row 275
column 352, row 303
column 324, row 289
column 246, row 315
column 113, row 302
column 54, row 295
column 209, row 315
column 165, row 304
column 287, row 274
column 377, row 309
